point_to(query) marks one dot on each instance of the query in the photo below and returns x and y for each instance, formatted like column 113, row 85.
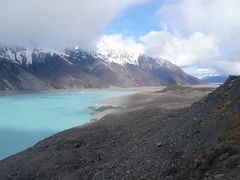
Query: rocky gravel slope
column 145, row 141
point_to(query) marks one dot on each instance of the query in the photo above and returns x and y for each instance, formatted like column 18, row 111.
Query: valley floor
column 174, row 98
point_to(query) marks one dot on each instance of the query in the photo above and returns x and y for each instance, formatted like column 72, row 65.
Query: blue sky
column 136, row 21
column 196, row 38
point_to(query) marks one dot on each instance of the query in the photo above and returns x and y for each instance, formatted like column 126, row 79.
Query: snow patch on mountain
column 150, row 61
column 16, row 55
column 25, row 56
column 120, row 52
column 127, row 55
column 105, row 53
column 118, row 56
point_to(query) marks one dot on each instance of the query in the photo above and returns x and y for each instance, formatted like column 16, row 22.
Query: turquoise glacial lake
column 27, row 119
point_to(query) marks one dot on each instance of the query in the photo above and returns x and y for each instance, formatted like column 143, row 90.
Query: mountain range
column 39, row 68
column 215, row 79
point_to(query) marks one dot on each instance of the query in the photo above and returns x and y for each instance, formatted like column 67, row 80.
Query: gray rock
column 159, row 145
column 218, row 176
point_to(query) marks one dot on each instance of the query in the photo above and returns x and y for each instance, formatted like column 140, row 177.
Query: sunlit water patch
column 26, row 119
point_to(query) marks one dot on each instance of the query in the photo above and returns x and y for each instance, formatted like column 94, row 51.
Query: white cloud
column 219, row 17
column 203, row 72
column 228, row 67
column 57, row 23
column 126, row 50
column 198, row 53
column 118, row 42
column 216, row 67
column 196, row 49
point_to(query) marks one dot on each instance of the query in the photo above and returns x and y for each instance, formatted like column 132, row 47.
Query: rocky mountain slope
column 79, row 69
column 15, row 77
column 159, row 136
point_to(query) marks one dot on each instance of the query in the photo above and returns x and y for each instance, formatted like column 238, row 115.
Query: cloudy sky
column 201, row 36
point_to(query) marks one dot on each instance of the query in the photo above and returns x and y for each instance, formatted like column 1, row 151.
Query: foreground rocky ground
column 159, row 136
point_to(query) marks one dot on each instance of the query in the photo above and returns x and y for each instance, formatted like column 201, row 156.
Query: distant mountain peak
column 159, row 61
column 118, row 55
column 215, row 79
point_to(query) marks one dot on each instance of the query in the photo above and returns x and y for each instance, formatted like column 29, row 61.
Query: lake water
column 27, row 119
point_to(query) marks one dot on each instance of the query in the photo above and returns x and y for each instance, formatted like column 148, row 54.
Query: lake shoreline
column 137, row 89
column 45, row 114
column 30, row 92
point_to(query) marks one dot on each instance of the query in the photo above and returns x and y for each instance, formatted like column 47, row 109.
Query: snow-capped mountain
column 79, row 69
column 119, row 56
column 17, row 55
column 25, row 56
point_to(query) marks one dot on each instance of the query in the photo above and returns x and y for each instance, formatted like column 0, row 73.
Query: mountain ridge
column 80, row 69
